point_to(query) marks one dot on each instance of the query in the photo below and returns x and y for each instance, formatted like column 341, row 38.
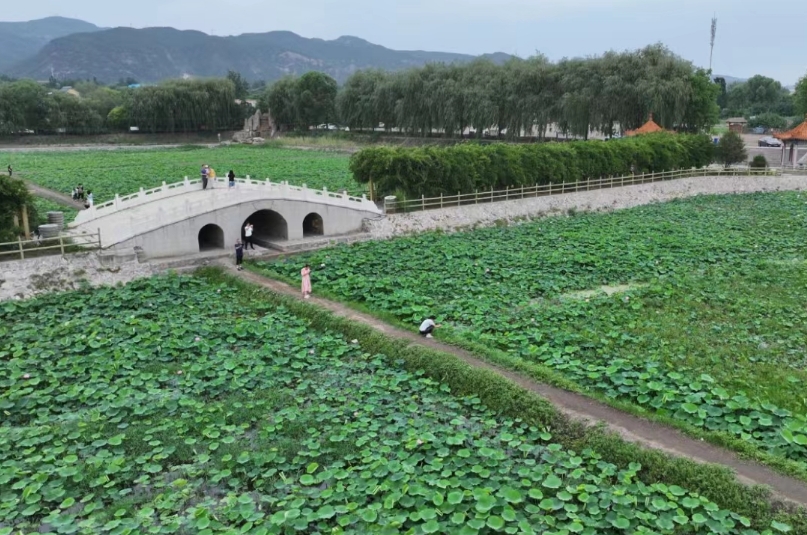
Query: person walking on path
column 231, row 176
column 306, row 286
column 239, row 255
column 211, row 173
column 248, row 229
column 204, row 176
column 89, row 199
column 428, row 327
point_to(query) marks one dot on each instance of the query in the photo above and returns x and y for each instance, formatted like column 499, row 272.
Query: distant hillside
column 21, row 40
column 153, row 54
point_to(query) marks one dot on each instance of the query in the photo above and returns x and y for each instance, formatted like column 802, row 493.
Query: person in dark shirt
column 205, row 174
column 10, row 170
column 239, row 255
column 231, row 177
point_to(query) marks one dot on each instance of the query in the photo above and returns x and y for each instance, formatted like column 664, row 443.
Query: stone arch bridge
column 181, row 219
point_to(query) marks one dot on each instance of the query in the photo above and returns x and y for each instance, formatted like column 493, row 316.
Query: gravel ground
column 482, row 215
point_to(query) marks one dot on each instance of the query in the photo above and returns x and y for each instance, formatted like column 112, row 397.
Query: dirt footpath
column 55, row 196
column 578, row 407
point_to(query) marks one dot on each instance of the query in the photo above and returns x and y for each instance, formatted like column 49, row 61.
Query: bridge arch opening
column 211, row 237
column 268, row 226
column 313, row 225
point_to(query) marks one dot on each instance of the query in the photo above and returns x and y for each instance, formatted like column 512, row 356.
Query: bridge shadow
column 269, row 226
column 211, row 237
column 313, row 225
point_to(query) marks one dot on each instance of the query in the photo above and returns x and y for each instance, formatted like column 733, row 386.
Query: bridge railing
column 166, row 190
column 393, row 206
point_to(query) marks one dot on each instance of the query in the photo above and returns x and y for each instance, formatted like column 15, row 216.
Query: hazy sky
column 753, row 36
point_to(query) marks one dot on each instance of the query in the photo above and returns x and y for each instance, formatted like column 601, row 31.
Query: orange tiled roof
column 797, row 134
column 648, row 128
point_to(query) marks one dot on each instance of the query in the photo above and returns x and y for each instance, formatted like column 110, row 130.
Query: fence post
column 507, row 193
column 441, row 199
column 61, row 244
column 550, row 189
column 563, row 186
column 476, row 196
column 522, row 191
column 422, row 202
column 459, row 199
column 22, row 253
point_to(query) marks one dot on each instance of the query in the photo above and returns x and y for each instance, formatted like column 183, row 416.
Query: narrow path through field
column 55, row 196
column 629, row 427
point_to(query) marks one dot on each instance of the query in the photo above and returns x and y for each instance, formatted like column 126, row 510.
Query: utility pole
column 712, row 41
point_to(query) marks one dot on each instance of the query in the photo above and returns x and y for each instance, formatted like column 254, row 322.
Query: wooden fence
column 524, row 192
column 47, row 246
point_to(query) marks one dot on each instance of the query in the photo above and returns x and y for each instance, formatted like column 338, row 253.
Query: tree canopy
column 758, row 95
column 173, row 106
column 13, row 196
column 800, row 96
column 522, row 97
column 301, row 102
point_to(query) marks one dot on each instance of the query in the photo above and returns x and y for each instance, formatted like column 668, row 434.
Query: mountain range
column 73, row 49
column 21, row 40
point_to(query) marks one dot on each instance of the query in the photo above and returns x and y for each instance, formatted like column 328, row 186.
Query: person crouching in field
column 239, row 255
column 427, row 327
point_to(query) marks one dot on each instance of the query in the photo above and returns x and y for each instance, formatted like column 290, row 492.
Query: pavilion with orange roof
column 795, row 138
column 649, row 127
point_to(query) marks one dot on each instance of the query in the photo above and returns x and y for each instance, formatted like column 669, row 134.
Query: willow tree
column 608, row 93
column 185, row 106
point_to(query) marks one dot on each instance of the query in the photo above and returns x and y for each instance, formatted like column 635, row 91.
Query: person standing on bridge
column 231, row 176
column 306, row 286
column 204, row 176
column 248, row 229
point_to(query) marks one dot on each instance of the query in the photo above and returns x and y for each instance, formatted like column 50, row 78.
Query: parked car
column 327, row 127
column 758, row 130
column 769, row 142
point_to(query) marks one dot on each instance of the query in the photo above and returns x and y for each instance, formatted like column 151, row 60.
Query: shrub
column 731, row 149
column 468, row 167
column 759, row 162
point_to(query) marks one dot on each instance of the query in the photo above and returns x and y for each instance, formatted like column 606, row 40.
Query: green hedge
column 470, row 167
column 506, row 398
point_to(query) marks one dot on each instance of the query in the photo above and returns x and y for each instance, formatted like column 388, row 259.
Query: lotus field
column 178, row 405
column 692, row 311
column 126, row 171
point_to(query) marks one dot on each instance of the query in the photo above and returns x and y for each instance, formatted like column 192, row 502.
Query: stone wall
column 464, row 217
column 26, row 278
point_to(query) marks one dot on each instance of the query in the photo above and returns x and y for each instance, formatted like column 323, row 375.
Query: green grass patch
column 204, row 405
column 106, row 172
column 711, row 337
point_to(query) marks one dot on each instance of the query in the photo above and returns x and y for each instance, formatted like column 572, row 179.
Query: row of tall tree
column 172, row 106
column 609, row 93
